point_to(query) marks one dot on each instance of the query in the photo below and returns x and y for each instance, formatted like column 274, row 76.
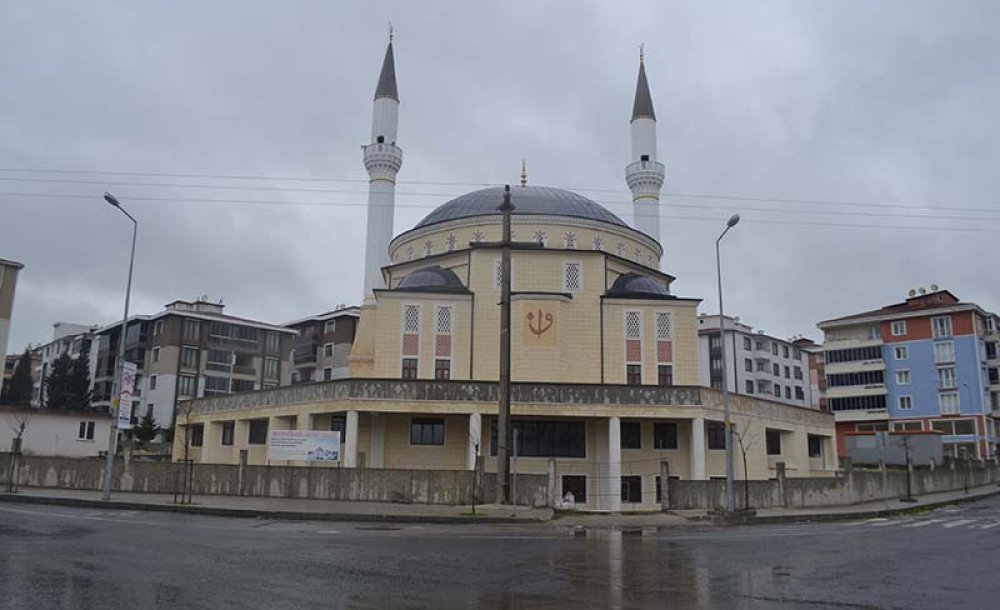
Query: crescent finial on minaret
column 642, row 50
column 390, row 31
column 524, row 173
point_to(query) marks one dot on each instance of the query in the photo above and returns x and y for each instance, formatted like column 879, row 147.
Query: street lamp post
column 120, row 360
column 730, row 496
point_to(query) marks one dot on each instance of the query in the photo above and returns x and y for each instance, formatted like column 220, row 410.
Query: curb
column 247, row 513
column 831, row 517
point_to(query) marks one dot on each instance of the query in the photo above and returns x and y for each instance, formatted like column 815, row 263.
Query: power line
column 274, row 203
column 789, row 200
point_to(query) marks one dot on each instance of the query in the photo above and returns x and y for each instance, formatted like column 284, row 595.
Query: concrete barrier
column 455, row 487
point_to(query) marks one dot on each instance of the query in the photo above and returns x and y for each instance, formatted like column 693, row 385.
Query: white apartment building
column 756, row 364
column 67, row 338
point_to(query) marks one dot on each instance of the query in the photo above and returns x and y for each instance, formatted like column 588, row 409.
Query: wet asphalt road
column 57, row 557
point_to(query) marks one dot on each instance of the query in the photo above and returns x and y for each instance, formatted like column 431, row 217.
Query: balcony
column 306, row 348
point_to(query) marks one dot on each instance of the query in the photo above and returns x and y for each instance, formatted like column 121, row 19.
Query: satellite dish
column 934, row 287
column 913, row 293
column 923, row 290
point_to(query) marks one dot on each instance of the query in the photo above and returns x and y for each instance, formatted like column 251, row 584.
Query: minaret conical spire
column 387, row 79
column 642, row 108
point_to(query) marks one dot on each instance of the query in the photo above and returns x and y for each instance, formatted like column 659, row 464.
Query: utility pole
column 503, row 424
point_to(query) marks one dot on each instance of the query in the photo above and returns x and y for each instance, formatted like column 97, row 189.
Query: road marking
column 959, row 522
column 986, row 527
column 883, row 522
column 923, row 523
column 328, row 532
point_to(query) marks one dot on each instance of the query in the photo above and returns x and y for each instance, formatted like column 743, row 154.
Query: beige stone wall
column 685, row 339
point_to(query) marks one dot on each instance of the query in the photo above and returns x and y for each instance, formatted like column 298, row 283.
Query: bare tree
column 744, row 442
column 18, row 420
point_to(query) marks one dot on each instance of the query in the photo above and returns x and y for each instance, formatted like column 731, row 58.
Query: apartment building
column 322, row 347
column 189, row 350
column 929, row 363
column 756, row 363
column 9, row 271
column 67, row 338
column 817, row 371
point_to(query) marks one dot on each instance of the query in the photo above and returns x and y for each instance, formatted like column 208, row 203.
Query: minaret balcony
column 645, row 177
column 382, row 158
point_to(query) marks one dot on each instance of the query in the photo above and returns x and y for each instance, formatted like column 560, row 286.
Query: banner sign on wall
column 303, row 445
column 125, row 397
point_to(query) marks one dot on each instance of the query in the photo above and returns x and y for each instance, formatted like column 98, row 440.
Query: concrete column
column 698, row 449
column 349, row 451
column 377, row 457
column 614, row 464
column 553, row 494
column 475, row 433
column 303, row 422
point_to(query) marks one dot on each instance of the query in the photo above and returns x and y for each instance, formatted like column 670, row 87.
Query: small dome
column 432, row 279
column 527, row 200
column 633, row 284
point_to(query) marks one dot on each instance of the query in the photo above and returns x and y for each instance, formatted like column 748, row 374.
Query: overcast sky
column 888, row 104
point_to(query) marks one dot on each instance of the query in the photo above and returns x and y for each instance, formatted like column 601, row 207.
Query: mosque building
column 604, row 365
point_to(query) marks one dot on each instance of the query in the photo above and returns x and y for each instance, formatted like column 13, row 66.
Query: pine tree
column 17, row 391
column 57, row 384
column 79, row 382
column 146, row 430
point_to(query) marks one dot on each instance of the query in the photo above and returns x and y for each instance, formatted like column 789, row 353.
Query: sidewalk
column 284, row 508
column 865, row 510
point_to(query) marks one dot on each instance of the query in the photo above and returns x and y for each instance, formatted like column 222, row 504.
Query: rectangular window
column 152, row 382
column 189, row 357
column 327, row 374
column 799, row 394
column 748, row 365
column 797, row 354
column 187, row 385
column 664, row 374
column 991, row 350
column 409, row 368
column 427, row 431
column 273, row 343
column 815, row 446
column 197, row 435
column 86, row 432
column 633, row 325
column 192, row 330
column 865, row 378
column 575, row 484
column 946, row 378
column 903, row 377
column 443, row 319
column 774, row 349
column 329, row 326
column 772, row 438
column 899, row 328
column 944, row 351
column 328, row 350
column 442, row 369
column 854, row 354
column 788, row 392
column 572, row 277
column 258, row 432
column 784, row 351
column 411, row 319
column 664, row 435
column 633, row 374
column 632, row 489
column 540, row 438
column 777, row 390
column 907, row 426
column 760, row 345
column 776, row 369
column 749, row 386
column 797, row 373
column 858, row 403
column 338, row 423
column 156, row 354
column 272, row 368
column 715, row 435
column 747, row 343
column 631, row 435
column 664, row 326
column 228, row 432
column 157, row 327
column 905, row 402
column 941, row 326
column 901, row 352
column 948, row 403
column 994, row 375
column 788, row 372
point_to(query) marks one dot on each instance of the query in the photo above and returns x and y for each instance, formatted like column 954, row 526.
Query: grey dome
column 432, row 279
column 636, row 285
column 527, row 200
